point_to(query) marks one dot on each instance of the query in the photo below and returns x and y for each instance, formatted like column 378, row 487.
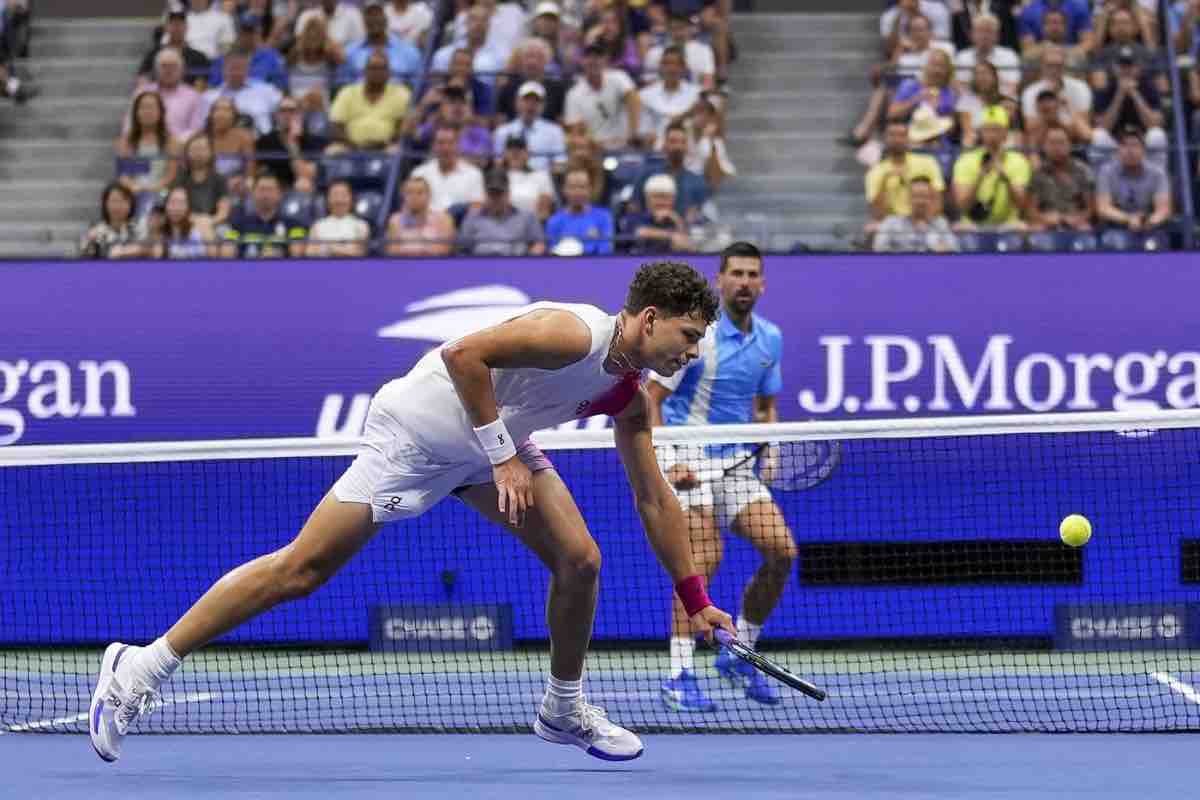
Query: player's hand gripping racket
column 765, row 665
column 792, row 466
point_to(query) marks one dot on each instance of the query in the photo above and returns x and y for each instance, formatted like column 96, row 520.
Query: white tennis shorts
column 725, row 494
column 400, row 478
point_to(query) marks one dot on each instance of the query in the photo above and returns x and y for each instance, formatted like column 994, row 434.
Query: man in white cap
column 547, row 144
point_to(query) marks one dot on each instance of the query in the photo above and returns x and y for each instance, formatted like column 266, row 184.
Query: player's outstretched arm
column 544, row 339
column 666, row 527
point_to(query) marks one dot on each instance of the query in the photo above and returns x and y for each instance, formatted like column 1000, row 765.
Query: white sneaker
column 588, row 728
column 115, row 707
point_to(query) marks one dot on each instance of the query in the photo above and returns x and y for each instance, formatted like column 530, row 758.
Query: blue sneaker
column 740, row 674
column 683, row 693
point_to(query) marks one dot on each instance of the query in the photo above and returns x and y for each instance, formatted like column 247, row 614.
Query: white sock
column 562, row 696
column 683, row 649
column 150, row 666
column 747, row 631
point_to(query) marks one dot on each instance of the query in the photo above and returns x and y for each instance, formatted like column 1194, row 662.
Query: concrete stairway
column 56, row 152
column 800, row 82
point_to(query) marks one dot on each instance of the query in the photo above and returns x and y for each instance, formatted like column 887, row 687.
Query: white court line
column 1177, row 686
column 191, row 697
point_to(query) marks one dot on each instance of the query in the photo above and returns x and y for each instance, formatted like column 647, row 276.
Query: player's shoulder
column 769, row 329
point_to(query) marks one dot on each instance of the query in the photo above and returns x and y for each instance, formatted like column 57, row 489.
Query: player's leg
column 681, row 691
column 130, row 676
column 557, row 534
column 756, row 518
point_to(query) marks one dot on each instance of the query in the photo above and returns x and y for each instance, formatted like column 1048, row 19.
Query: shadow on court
column 826, row 767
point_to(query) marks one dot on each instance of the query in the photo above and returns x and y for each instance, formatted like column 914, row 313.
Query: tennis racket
column 766, row 666
column 792, row 466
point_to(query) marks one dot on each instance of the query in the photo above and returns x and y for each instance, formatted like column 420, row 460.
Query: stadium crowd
column 261, row 128
column 1002, row 124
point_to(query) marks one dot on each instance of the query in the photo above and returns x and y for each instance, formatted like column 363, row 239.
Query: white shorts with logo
column 728, row 494
column 399, row 478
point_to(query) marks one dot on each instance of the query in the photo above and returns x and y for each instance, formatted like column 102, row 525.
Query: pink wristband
column 692, row 594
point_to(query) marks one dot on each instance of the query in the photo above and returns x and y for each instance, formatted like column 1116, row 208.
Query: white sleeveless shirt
column 425, row 403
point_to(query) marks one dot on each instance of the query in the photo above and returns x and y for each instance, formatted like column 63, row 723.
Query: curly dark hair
column 675, row 288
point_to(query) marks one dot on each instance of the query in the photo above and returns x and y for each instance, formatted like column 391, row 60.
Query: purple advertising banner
column 108, row 352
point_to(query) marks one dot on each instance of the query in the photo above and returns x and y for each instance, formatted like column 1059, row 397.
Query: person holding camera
column 990, row 181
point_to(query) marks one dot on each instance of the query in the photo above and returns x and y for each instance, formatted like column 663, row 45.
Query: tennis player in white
column 459, row 423
column 734, row 380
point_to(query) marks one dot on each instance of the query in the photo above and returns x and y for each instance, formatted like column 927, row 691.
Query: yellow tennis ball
column 1075, row 530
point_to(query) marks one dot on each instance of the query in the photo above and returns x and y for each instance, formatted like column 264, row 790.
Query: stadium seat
column 367, row 205
column 299, row 206
column 317, row 126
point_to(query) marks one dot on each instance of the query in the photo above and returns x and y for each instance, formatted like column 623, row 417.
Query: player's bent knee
column 295, row 578
column 580, row 568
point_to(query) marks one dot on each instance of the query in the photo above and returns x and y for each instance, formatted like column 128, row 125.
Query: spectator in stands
column 1142, row 22
column 232, row 144
column 339, row 233
column 544, row 138
column 450, row 106
column 889, row 183
column 700, row 63
column 1075, row 13
column 505, row 25
column 963, row 21
column 1049, row 110
column 114, row 236
column 708, row 154
column 343, row 20
column 410, row 20
column 287, row 150
column 404, row 59
column 265, row 63
column 1129, row 99
column 612, row 33
column 196, row 63
column 1132, row 193
column 184, row 235
column 923, row 229
column 935, row 90
column 498, row 228
column 452, row 181
column 418, row 229
column 311, row 64
column 530, row 189
column 1061, row 193
column 658, row 229
column 255, row 99
column 985, row 34
column 1074, row 98
column 207, row 190
column 990, row 181
column 486, row 61
column 1055, row 29
column 589, row 226
column 584, row 153
column 1123, row 43
column 184, row 105
column 277, row 18
column 896, row 23
column 604, row 102
column 912, row 51
column 1184, row 20
column 691, row 192
column 260, row 230
column 370, row 115
column 530, row 60
column 209, row 28
column 547, row 26
column 983, row 93
column 148, row 141
column 669, row 99
column 480, row 95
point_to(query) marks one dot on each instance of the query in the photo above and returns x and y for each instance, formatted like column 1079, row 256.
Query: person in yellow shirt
column 369, row 115
column 990, row 181
column 888, row 182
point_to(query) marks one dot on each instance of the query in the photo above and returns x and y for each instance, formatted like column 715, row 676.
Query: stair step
column 37, row 249
column 91, row 170
column 47, row 230
column 802, row 25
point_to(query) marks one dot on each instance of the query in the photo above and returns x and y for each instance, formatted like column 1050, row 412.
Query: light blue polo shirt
column 719, row 387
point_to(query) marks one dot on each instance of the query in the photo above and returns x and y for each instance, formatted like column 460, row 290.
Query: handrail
column 441, row 15
column 1180, row 130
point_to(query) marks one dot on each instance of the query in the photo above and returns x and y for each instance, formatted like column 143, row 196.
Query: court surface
column 516, row 767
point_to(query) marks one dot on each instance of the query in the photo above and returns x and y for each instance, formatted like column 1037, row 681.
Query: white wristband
column 496, row 441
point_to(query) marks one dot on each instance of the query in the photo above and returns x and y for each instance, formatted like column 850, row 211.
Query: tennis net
column 929, row 589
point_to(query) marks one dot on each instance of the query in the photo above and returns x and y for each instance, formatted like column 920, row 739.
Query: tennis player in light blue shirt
column 735, row 380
